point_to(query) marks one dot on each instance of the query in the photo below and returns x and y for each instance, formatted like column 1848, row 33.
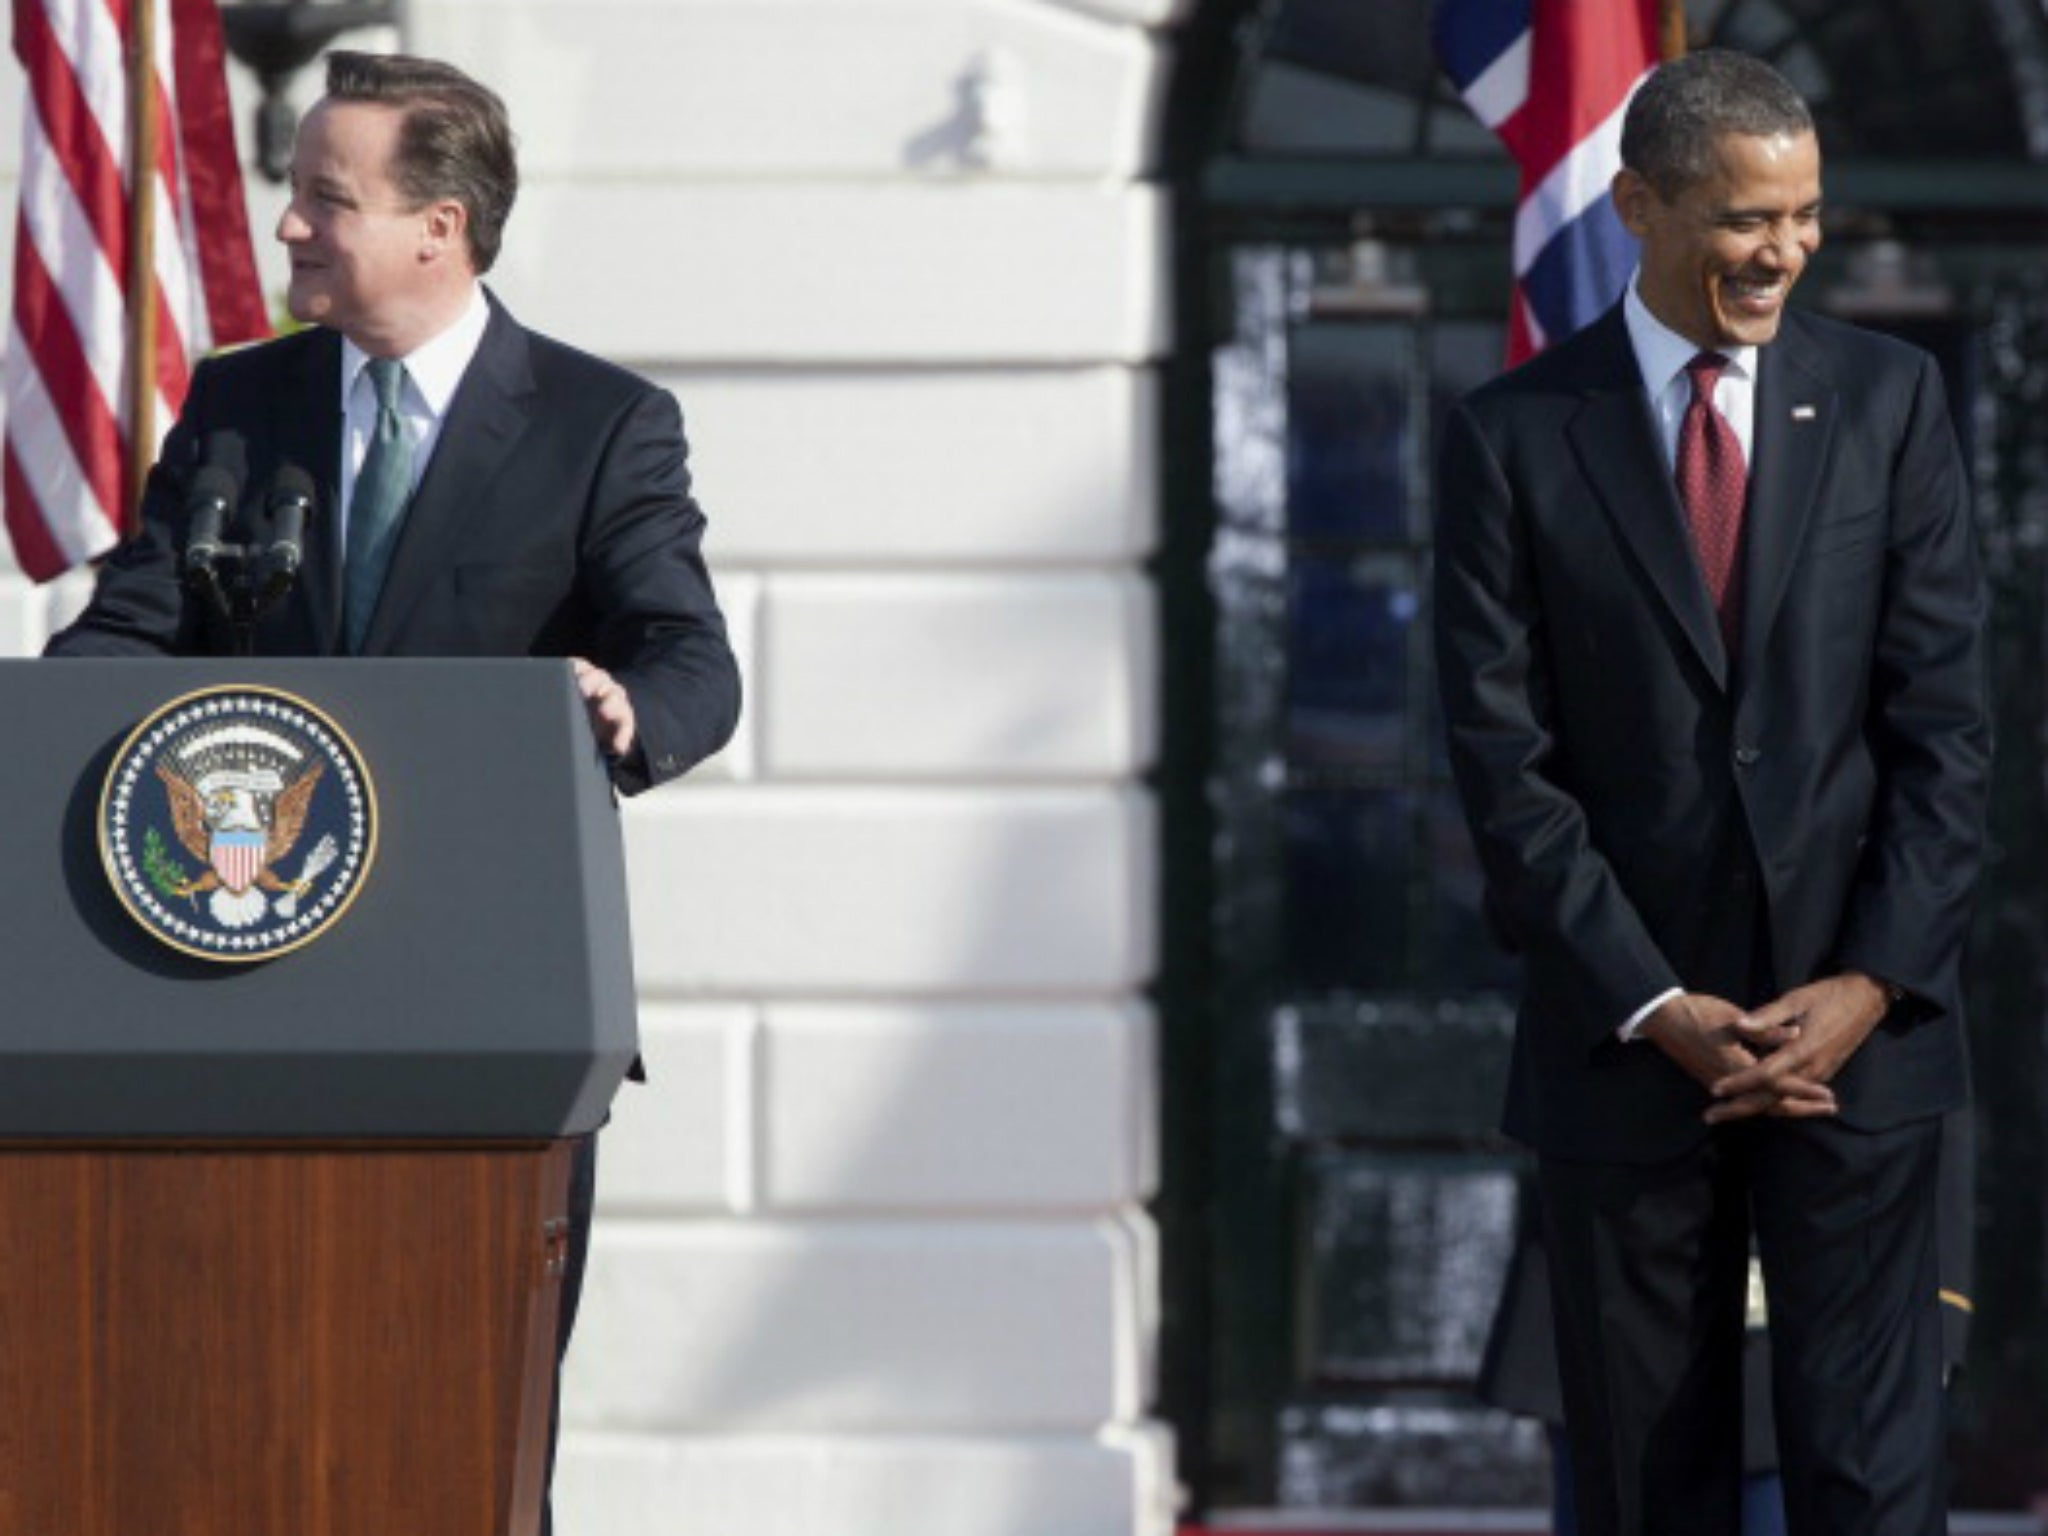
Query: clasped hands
column 1775, row 1060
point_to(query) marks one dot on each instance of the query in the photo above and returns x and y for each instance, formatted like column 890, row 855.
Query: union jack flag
column 1552, row 78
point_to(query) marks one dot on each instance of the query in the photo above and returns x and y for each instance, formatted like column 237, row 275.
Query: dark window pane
column 1294, row 111
column 1349, row 629
column 1348, row 857
column 1463, row 354
column 1405, row 1258
column 1350, row 454
column 1341, row 77
column 1424, row 1067
column 1365, row 42
column 1383, row 893
column 1887, row 79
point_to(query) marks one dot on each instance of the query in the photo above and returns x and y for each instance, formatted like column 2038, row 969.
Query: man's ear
column 446, row 230
column 1633, row 196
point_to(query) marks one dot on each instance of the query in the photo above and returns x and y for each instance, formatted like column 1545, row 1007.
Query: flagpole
column 1672, row 29
column 142, row 148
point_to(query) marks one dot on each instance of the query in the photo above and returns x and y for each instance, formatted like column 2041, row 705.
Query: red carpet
column 1377, row 1522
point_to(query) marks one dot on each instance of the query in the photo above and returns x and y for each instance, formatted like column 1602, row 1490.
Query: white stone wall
column 872, row 1258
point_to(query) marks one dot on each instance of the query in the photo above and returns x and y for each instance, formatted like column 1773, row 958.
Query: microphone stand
column 248, row 591
column 239, row 583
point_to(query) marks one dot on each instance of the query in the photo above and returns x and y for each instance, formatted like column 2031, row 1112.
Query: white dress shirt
column 432, row 374
column 1661, row 355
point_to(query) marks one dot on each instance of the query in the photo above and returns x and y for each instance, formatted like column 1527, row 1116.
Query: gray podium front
column 479, row 985
column 289, row 1231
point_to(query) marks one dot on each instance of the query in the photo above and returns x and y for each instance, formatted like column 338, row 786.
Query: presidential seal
column 237, row 823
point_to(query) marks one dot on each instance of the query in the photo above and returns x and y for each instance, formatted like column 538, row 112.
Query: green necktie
column 377, row 508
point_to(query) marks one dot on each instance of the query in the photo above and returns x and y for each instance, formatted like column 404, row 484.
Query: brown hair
column 455, row 143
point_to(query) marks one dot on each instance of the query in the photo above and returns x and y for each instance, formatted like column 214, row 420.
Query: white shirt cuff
column 1634, row 1024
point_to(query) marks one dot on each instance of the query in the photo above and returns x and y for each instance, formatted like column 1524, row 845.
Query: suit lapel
column 489, row 413
column 1795, row 416
column 1614, row 437
column 307, row 427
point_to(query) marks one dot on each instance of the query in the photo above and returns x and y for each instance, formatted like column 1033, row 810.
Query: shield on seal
column 237, row 857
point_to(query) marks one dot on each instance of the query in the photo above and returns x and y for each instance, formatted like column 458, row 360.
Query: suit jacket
column 1654, row 813
column 554, row 519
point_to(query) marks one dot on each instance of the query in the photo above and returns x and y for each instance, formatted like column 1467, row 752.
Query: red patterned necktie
column 1713, row 482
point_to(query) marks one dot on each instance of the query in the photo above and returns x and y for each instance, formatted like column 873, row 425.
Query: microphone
column 210, row 498
column 290, row 504
column 206, row 507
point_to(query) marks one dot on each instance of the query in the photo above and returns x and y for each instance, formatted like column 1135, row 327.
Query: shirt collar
column 436, row 368
column 1661, row 353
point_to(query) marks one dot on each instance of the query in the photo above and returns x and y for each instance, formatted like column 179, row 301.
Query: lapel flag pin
column 1803, row 413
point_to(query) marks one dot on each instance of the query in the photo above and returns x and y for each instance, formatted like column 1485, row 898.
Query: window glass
column 1932, row 79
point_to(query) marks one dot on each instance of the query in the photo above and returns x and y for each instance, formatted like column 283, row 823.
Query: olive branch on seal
column 164, row 872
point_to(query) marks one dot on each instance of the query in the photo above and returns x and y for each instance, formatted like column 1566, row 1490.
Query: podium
column 286, row 1234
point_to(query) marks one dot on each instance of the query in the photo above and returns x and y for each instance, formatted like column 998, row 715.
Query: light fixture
column 278, row 38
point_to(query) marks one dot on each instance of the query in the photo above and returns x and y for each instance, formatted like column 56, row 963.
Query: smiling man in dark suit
column 477, row 489
column 1709, row 635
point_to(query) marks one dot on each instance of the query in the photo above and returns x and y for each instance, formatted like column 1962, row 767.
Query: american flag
column 66, row 350
column 1551, row 78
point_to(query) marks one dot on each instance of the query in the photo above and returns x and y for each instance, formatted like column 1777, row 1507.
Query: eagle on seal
column 239, row 797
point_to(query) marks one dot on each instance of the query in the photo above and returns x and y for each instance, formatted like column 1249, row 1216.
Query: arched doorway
column 1338, row 1212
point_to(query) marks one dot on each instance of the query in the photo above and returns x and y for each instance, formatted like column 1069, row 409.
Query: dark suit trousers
column 1648, row 1276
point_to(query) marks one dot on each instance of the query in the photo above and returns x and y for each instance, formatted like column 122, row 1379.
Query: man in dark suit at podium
column 478, row 489
column 475, row 489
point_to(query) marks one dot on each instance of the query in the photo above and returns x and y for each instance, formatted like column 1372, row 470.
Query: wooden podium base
column 228, row 1340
